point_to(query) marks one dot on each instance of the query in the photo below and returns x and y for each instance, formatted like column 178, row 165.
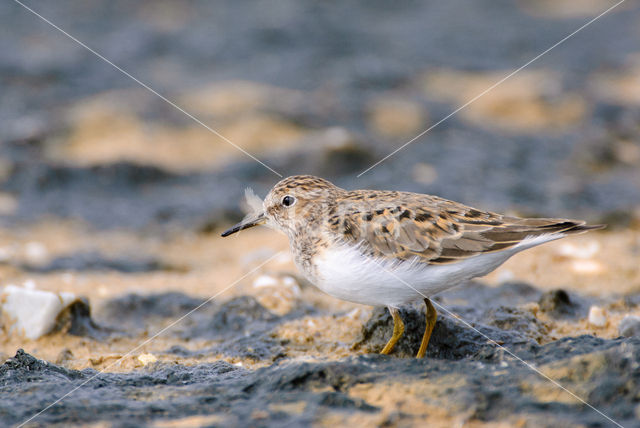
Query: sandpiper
column 390, row 248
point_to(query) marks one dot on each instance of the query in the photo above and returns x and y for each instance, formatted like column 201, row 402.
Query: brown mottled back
column 407, row 226
column 397, row 225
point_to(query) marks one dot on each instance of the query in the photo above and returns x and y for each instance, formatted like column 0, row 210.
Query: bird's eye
column 287, row 201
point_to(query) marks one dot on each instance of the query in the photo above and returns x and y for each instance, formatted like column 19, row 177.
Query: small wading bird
column 390, row 248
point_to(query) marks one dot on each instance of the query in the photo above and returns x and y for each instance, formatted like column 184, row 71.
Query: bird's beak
column 247, row 222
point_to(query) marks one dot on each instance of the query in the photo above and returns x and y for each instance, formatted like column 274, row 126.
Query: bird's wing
column 436, row 230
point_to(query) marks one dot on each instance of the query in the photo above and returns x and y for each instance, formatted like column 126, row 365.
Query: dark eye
column 287, row 201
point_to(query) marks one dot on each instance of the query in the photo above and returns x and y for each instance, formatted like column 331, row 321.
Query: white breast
column 343, row 272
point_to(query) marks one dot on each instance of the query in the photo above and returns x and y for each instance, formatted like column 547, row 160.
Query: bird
column 391, row 248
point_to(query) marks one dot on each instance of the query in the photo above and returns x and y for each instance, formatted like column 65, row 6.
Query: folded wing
column 438, row 231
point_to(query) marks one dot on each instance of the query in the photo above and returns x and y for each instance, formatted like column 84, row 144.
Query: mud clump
column 76, row 320
column 238, row 316
column 450, row 339
column 135, row 312
column 559, row 304
column 513, row 319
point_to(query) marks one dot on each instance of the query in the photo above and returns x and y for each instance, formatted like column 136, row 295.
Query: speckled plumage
column 388, row 248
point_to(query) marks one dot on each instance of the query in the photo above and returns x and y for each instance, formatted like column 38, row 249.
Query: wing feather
column 434, row 230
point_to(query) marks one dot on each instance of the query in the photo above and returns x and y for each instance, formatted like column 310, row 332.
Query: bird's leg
column 398, row 329
column 431, row 316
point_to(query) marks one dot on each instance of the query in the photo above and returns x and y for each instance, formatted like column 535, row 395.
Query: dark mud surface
column 93, row 261
column 482, row 382
column 465, row 374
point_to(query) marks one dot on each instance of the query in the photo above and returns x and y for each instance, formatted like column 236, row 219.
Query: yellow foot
column 398, row 329
column 431, row 315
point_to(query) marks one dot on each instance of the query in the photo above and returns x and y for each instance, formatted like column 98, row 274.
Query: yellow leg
column 398, row 329
column 431, row 322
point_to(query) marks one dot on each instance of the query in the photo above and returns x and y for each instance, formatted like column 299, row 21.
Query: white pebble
column 29, row 284
column 597, row 316
column 147, row 359
column 354, row 313
column 505, row 275
column 32, row 313
column 264, row 281
column 587, row 267
column 35, row 252
column 629, row 326
column 586, row 250
column 292, row 285
column 289, row 281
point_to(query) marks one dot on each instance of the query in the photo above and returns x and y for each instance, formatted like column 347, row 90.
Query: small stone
column 264, row 281
column 279, row 295
column 36, row 253
column 147, row 359
column 629, row 326
column 514, row 319
column 597, row 316
column 584, row 251
column 32, row 313
column 557, row 303
column 64, row 356
column 587, row 267
column 505, row 275
column 75, row 319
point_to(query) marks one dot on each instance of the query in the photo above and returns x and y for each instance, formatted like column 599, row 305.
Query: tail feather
column 514, row 232
column 585, row 228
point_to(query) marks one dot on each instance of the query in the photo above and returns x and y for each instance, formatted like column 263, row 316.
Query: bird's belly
column 345, row 273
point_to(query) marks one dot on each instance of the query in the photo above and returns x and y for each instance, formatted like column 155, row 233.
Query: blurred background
column 105, row 188
column 316, row 87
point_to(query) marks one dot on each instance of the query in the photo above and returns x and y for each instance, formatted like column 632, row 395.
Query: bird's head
column 294, row 202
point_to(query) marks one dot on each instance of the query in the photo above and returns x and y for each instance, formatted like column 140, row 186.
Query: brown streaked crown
column 311, row 196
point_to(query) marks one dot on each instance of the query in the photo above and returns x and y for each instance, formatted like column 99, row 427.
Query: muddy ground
column 109, row 193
